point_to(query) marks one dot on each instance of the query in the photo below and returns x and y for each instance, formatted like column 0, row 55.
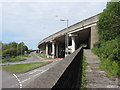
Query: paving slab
column 97, row 78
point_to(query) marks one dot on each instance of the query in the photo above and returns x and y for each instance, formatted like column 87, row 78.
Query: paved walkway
column 33, row 58
column 95, row 77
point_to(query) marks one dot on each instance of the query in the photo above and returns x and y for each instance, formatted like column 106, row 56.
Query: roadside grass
column 13, row 59
column 19, row 68
column 83, row 81
column 25, row 55
column 43, row 56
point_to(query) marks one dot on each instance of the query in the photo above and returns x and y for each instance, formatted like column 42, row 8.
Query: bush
column 11, row 52
column 109, row 55
column 11, row 49
column 112, row 67
column 108, row 49
column 109, row 22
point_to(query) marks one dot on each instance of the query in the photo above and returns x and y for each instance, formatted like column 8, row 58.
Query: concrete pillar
column 73, row 43
column 94, row 36
column 46, row 49
column 57, row 50
column 53, row 49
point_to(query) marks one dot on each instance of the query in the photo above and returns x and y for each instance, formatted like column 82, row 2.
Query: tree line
column 13, row 49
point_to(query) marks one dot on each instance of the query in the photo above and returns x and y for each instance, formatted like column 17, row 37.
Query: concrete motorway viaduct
column 81, row 33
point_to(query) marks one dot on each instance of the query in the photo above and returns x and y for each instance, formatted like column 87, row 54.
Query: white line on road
column 18, row 80
column 41, row 71
column 25, row 80
column 36, row 71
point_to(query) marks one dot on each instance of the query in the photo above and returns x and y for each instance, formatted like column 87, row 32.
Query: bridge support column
column 73, row 41
column 57, row 50
column 73, row 44
column 53, row 49
column 46, row 49
column 94, row 36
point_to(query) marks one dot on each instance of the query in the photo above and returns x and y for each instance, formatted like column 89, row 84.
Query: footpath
column 97, row 78
column 32, row 59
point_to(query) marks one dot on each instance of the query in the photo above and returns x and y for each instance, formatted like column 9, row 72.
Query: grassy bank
column 43, row 56
column 111, row 67
column 25, row 55
column 13, row 59
column 109, row 55
column 18, row 68
column 83, row 82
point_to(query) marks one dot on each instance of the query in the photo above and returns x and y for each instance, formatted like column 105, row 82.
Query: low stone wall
column 65, row 74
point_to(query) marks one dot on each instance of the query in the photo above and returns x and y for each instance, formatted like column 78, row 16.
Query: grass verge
column 111, row 67
column 83, row 82
column 13, row 59
column 19, row 68
column 25, row 55
column 43, row 56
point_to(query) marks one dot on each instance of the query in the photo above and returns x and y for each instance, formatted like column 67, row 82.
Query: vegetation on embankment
column 19, row 68
column 108, row 47
column 83, row 81
column 43, row 56
column 13, row 59
column 108, row 53
column 13, row 51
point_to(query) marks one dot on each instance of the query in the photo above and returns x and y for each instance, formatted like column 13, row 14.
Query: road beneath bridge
column 12, row 80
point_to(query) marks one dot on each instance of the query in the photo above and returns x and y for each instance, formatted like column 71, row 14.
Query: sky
column 31, row 22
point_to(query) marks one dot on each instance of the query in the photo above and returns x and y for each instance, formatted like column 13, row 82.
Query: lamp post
column 66, row 37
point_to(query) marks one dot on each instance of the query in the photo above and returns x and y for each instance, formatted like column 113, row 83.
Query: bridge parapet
column 65, row 74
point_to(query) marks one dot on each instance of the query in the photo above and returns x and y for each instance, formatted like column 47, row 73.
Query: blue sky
column 30, row 22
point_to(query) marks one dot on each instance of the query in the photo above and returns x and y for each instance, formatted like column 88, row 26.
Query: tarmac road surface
column 11, row 80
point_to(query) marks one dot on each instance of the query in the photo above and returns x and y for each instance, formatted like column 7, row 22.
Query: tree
column 109, row 22
column 13, row 45
column 13, row 49
column 22, row 48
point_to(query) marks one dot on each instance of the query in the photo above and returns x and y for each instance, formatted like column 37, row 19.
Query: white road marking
column 25, row 80
column 32, row 72
column 41, row 71
column 36, row 71
column 18, row 80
